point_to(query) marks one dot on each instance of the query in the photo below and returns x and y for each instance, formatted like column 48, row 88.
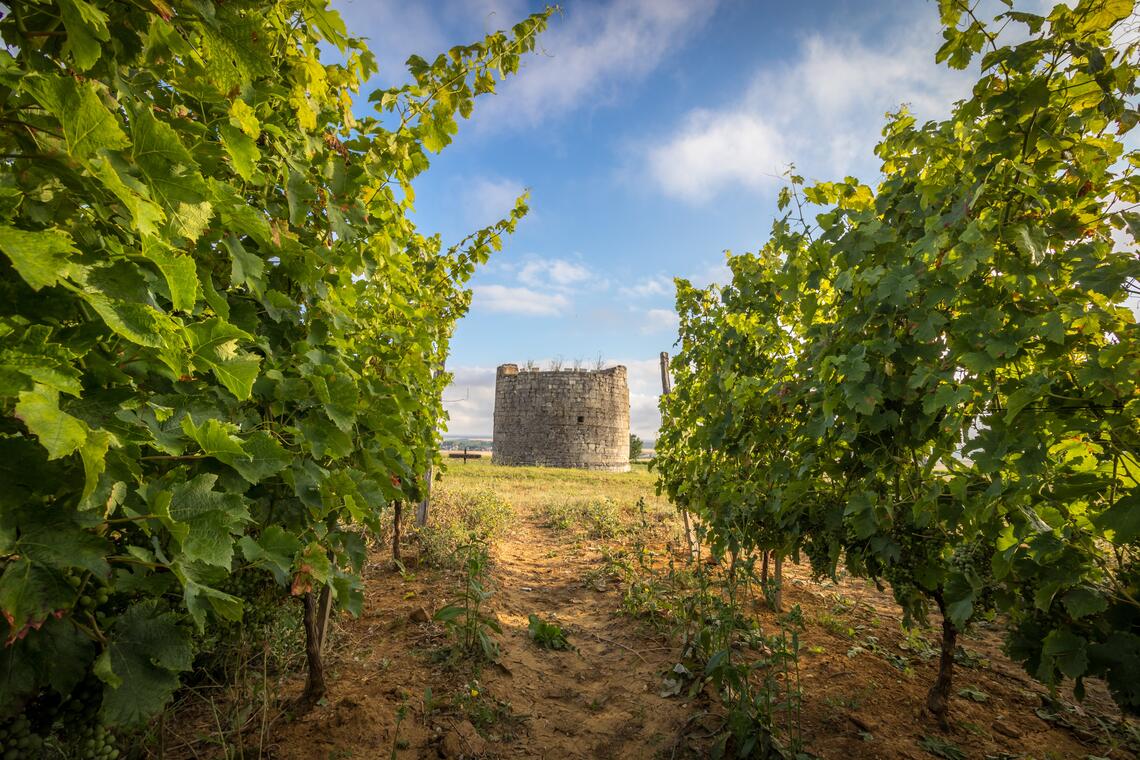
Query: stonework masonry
column 562, row 418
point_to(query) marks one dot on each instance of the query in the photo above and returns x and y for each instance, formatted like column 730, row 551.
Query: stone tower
column 562, row 418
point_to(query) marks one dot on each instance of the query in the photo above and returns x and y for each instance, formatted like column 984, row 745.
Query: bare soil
column 863, row 692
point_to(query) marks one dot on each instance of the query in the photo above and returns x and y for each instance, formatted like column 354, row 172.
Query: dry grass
column 533, row 487
column 580, row 504
column 460, row 516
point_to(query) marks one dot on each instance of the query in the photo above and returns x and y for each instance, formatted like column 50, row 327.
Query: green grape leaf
column 273, row 550
column 214, row 344
column 139, row 323
column 323, row 438
column 57, row 431
column 147, row 651
column 1101, row 16
column 209, row 518
column 242, row 150
column 1122, row 519
column 94, row 455
column 190, row 220
column 264, row 457
column 1067, row 651
column 1083, row 601
column 170, row 170
column 349, row 594
column 34, row 354
column 103, row 670
column 29, row 593
column 339, row 397
column 1018, row 400
column 41, row 258
column 201, row 600
column 146, row 216
column 88, row 126
column 201, row 597
column 56, row 655
column 216, row 438
column 179, row 270
column 247, row 268
column 50, row 537
column 86, row 28
column 244, row 118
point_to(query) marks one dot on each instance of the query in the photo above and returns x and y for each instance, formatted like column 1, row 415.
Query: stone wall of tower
column 562, row 418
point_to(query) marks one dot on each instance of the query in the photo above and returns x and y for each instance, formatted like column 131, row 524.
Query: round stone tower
column 562, row 418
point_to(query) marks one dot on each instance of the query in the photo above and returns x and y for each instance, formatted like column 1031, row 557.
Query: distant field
column 452, row 454
column 528, row 486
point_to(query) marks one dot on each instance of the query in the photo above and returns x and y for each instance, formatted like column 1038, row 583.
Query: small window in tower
column 581, row 418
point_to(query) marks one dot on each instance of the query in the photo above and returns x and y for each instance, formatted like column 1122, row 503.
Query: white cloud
column 590, row 53
column 554, row 273
column 470, row 399
column 822, row 111
column 714, row 149
column 657, row 285
column 644, row 390
column 546, row 287
column 659, row 321
column 487, row 200
column 508, row 300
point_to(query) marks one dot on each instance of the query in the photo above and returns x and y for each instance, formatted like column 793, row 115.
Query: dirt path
column 599, row 701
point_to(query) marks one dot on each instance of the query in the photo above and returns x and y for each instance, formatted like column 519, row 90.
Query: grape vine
column 221, row 332
column 937, row 381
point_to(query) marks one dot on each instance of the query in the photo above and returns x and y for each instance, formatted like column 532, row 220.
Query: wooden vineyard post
column 422, row 507
column 398, row 510
column 324, row 614
column 778, row 580
column 690, row 532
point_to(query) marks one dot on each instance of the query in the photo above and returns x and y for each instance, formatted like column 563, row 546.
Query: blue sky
column 652, row 135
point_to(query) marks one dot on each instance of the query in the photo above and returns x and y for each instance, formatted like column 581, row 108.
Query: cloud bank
column 823, row 111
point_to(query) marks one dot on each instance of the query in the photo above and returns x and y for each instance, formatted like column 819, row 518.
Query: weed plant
column 755, row 675
column 465, row 617
column 487, row 713
column 547, row 635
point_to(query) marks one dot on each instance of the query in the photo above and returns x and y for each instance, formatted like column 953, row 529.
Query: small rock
column 419, row 615
column 1005, row 730
column 463, row 741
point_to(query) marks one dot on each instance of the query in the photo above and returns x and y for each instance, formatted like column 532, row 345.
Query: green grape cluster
column 95, row 742
column 18, row 741
column 260, row 596
column 93, row 597
column 71, row 725
column 82, row 707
